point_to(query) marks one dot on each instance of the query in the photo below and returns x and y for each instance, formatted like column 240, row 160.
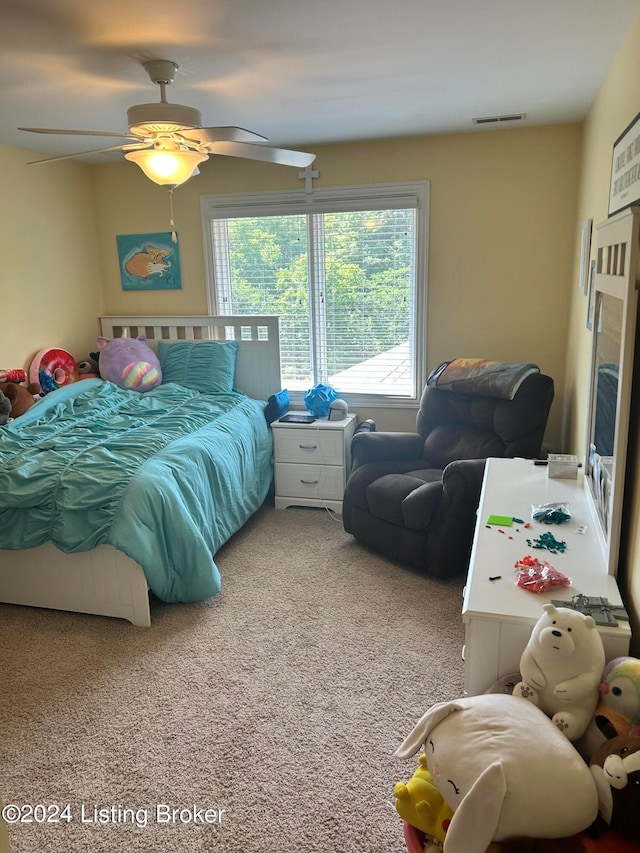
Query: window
column 344, row 269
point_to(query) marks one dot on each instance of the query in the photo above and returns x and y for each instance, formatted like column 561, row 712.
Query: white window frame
column 364, row 197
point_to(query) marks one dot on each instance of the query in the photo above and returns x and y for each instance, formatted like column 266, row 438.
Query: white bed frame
column 105, row 581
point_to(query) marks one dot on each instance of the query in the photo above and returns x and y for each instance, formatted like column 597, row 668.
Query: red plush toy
column 17, row 375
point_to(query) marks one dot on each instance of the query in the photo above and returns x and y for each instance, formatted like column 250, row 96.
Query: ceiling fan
column 168, row 141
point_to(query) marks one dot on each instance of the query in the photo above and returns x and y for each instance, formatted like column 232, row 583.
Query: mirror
column 614, row 328
column 606, row 371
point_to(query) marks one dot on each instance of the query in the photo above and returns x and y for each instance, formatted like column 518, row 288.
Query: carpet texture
column 280, row 702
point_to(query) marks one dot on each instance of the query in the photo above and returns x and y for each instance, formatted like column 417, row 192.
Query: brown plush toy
column 615, row 767
column 19, row 397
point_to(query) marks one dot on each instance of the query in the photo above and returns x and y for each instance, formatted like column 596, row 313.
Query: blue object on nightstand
column 277, row 405
column 318, row 399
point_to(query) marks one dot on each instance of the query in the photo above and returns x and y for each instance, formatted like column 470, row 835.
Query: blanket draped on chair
column 480, row 377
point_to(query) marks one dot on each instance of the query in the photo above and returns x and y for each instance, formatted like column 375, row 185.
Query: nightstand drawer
column 317, row 446
column 325, row 482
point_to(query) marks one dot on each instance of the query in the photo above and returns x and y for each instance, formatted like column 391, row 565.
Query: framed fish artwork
column 149, row 262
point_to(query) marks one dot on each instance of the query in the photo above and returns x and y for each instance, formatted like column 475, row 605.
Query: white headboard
column 258, row 337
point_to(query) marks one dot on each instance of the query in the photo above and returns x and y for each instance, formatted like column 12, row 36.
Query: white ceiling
column 304, row 72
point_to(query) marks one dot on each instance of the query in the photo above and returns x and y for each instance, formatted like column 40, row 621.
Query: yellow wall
column 50, row 288
column 503, row 213
column 617, row 104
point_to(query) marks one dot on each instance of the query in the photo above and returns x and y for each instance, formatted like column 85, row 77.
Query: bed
column 138, row 491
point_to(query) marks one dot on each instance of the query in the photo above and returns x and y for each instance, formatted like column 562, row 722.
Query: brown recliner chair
column 413, row 496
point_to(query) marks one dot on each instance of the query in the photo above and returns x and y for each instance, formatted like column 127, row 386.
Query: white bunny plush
column 504, row 769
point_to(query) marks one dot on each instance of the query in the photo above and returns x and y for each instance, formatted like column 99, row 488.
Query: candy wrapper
column 538, row 575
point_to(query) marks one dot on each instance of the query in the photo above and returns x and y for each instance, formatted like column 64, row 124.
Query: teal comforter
column 167, row 477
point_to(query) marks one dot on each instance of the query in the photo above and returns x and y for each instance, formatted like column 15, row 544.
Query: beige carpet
column 280, row 702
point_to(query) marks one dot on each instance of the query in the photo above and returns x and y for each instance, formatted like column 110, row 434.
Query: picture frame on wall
column 624, row 188
column 149, row 261
column 585, row 254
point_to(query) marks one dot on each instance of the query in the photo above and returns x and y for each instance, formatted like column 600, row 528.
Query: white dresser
column 312, row 462
column 497, row 614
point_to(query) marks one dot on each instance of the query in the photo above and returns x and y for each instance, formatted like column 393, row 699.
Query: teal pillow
column 206, row 366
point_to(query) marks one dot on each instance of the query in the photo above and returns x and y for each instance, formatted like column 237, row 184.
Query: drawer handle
column 308, row 446
column 309, row 482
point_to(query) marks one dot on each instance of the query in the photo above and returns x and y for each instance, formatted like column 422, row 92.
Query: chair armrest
column 454, row 520
column 451, row 502
column 379, row 446
column 462, row 481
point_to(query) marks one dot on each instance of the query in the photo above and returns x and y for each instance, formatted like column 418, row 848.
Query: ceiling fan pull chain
column 174, row 236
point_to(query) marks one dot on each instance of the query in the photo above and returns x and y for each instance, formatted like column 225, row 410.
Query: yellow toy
column 421, row 804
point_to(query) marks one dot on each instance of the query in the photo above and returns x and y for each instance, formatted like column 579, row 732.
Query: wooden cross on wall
column 307, row 176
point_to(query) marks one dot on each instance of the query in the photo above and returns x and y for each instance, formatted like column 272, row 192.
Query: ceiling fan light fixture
column 167, row 168
column 146, row 119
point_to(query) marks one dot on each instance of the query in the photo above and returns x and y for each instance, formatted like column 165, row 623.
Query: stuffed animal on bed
column 561, row 668
column 129, row 363
column 504, row 769
column 16, row 399
column 5, row 409
column 88, row 369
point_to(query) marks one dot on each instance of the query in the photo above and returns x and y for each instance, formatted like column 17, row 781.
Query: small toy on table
column 538, row 576
column 548, row 542
column 598, row 607
column 551, row 513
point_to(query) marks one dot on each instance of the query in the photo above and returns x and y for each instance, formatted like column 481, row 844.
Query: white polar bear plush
column 561, row 668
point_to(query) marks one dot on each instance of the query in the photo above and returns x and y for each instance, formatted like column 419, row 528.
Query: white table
column 497, row 614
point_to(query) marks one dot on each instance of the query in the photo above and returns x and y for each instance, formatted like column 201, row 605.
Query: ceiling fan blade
column 282, row 156
column 137, row 146
column 222, row 134
column 76, row 154
column 79, row 132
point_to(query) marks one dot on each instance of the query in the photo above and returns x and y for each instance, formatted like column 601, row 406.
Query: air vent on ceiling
column 498, row 119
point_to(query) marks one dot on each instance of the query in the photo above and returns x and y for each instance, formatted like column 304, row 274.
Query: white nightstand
column 312, row 462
